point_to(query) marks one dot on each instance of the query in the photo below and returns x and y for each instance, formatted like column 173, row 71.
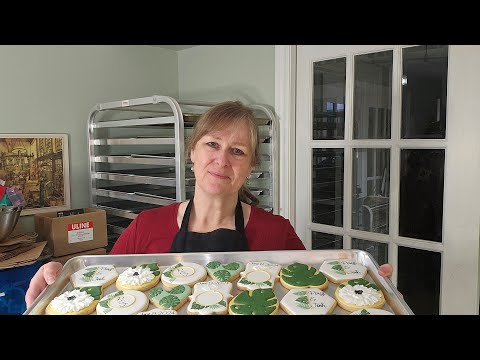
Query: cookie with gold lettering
column 307, row 302
column 340, row 270
column 359, row 294
column 95, row 275
column 123, row 302
column 165, row 298
column 224, row 272
column 298, row 276
column 210, row 298
column 78, row 301
column 184, row 273
column 259, row 275
column 141, row 278
column 254, row 302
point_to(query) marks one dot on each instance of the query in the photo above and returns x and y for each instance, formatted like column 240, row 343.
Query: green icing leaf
column 155, row 292
column 169, row 302
column 94, row 291
column 197, row 306
column 259, row 302
column 302, row 275
column 333, row 262
column 300, row 293
column 268, row 283
column 363, row 282
column 223, row 303
column 302, row 299
column 245, row 281
column 177, row 290
column 213, row 264
column 232, row 266
column 304, row 306
column 221, row 275
column 364, row 312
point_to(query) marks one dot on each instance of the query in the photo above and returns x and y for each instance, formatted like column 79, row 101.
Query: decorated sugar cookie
column 123, row 302
column 359, row 294
column 307, row 302
column 141, row 278
column 259, row 275
column 255, row 302
column 338, row 271
column 158, row 312
column 297, row 276
column 184, row 273
column 173, row 299
column 79, row 301
column 96, row 275
column 371, row 311
column 224, row 272
column 210, row 298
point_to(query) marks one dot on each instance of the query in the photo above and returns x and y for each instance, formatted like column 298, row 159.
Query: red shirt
column 153, row 231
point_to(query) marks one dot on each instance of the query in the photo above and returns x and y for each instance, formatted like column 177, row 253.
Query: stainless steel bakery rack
column 137, row 156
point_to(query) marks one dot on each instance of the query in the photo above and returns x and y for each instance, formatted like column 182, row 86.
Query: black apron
column 217, row 240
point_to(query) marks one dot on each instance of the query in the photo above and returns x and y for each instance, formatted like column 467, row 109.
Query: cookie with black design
column 359, row 294
column 169, row 299
column 254, row 302
column 210, row 298
column 340, row 270
column 78, row 301
column 299, row 276
column 141, row 278
column 95, row 275
column 224, row 272
column 183, row 273
column 307, row 302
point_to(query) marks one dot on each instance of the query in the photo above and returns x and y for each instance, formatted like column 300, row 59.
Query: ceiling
column 175, row 47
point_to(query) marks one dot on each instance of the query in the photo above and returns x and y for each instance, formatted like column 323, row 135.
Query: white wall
column 51, row 89
column 226, row 72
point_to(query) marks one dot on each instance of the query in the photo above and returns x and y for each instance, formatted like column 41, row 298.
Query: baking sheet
column 394, row 300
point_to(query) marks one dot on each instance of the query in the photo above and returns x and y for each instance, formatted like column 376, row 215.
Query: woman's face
column 222, row 160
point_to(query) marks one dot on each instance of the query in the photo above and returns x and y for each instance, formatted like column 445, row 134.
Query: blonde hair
column 219, row 117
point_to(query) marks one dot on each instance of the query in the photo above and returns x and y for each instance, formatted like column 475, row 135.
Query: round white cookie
column 141, row 278
column 123, row 302
column 209, row 298
column 184, row 273
column 259, row 275
column 359, row 294
column 310, row 301
column 338, row 270
column 371, row 311
column 158, row 312
column 78, row 301
column 95, row 275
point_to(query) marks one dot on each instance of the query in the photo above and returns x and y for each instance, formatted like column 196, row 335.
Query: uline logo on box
column 80, row 231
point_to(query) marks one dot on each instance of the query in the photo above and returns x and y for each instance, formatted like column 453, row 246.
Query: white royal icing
column 343, row 270
column 259, row 275
column 371, row 311
column 307, row 302
column 184, row 273
column 97, row 275
column 71, row 301
column 136, row 276
column 210, row 297
column 123, row 302
column 359, row 295
column 158, row 312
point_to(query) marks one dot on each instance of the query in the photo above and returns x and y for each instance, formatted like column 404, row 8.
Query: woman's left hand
column 385, row 270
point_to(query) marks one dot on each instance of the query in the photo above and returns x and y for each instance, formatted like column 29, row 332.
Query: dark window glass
column 327, row 186
column 378, row 250
column 421, row 193
column 424, row 92
column 419, row 279
column 329, row 99
column 322, row 241
column 372, row 99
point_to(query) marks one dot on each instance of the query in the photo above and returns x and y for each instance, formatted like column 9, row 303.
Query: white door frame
column 460, row 276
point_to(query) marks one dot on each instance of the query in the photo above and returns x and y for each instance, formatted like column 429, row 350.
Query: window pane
column 424, row 92
column 421, row 193
column 322, row 241
column 419, row 279
column 371, row 189
column 327, row 186
column 372, row 100
column 329, row 99
column 378, row 250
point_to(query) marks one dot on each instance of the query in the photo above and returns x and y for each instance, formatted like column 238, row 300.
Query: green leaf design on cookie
column 169, row 298
column 364, row 312
column 301, row 275
column 232, row 266
column 197, row 306
column 363, row 282
column 224, row 272
column 169, row 272
column 213, row 264
column 258, row 302
column 169, row 301
column 153, row 268
column 93, row 291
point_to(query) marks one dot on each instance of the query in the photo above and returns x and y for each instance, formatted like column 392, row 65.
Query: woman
column 222, row 216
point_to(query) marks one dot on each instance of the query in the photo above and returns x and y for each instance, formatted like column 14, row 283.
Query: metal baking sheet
column 394, row 300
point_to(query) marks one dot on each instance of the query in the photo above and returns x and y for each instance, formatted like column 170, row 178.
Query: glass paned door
column 405, row 199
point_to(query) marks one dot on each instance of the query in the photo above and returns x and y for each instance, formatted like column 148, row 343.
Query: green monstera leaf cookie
column 169, row 299
column 256, row 302
column 224, row 272
column 299, row 275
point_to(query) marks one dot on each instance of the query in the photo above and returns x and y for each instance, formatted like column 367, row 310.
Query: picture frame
column 37, row 164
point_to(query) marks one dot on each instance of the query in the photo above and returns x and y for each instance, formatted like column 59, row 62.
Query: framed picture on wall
column 37, row 164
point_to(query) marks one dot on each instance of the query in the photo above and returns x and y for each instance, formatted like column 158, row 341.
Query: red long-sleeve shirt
column 153, row 231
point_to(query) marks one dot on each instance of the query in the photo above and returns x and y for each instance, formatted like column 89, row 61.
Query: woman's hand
column 385, row 270
column 46, row 275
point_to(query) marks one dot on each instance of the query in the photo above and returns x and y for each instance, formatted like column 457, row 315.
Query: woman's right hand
column 46, row 275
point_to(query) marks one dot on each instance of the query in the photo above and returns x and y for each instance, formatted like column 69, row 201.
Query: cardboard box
column 64, row 259
column 72, row 234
